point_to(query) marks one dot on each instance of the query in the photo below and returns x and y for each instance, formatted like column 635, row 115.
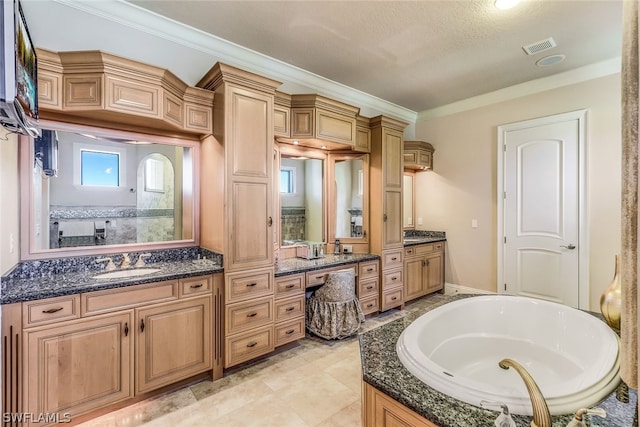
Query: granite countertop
column 420, row 237
column 35, row 280
column 299, row 265
column 382, row 369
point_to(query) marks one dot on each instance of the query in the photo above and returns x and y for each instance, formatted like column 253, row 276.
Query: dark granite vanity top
column 382, row 369
column 33, row 280
column 420, row 237
column 300, row 265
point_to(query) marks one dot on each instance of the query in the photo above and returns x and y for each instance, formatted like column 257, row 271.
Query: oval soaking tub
column 455, row 349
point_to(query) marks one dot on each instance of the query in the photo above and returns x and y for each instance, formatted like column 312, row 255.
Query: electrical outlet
column 347, row 249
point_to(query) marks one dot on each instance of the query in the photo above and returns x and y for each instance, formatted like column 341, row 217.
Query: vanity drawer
column 50, row 310
column 391, row 258
column 289, row 285
column 289, row 308
column 317, row 277
column 368, row 269
column 369, row 305
column 246, row 315
column 244, row 286
column 98, row 302
column 367, row 287
column 392, row 278
column 392, row 298
column 247, row 346
column 195, row 286
column 289, row 331
column 423, row 249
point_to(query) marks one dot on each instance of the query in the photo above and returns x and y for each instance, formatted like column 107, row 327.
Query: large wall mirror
column 113, row 191
column 302, row 195
column 349, row 197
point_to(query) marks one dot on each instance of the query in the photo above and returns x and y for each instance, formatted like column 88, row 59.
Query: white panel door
column 541, row 212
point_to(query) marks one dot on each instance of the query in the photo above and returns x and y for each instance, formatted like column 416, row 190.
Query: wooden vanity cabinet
column 418, row 155
column 83, row 352
column 379, row 410
column 423, row 270
column 289, row 308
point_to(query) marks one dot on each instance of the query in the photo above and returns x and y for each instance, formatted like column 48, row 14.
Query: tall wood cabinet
column 237, row 204
column 386, row 206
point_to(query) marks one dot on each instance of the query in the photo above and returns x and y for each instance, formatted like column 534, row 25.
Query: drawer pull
column 370, row 305
column 254, row 314
column 290, row 308
column 52, row 310
column 394, row 258
column 141, row 325
column 199, row 285
column 126, row 329
column 320, row 277
column 290, row 331
column 370, row 287
column 290, row 286
column 369, row 270
column 394, row 298
column 252, row 344
column 251, row 284
column 394, row 278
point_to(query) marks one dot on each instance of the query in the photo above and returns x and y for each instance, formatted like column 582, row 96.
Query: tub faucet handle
column 577, row 420
column 504, row 419
column 140, row 262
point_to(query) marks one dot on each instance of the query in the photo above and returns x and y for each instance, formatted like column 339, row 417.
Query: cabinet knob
column 384, row 217
column 270, row 221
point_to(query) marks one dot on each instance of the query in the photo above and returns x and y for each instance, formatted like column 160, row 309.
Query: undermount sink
column 126, row 273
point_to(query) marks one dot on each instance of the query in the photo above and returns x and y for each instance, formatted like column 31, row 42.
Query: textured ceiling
column 417, row 54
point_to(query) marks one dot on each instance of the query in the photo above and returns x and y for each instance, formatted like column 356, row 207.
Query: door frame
column 583, row 232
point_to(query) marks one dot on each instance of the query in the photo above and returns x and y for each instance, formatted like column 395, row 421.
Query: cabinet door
column 435, row 272
column 392, row 219
column 392, row 158
column 173, row 342
column 414, row 277
column 78, row 366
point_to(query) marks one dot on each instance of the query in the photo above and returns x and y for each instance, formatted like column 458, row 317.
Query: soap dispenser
column 577, row 420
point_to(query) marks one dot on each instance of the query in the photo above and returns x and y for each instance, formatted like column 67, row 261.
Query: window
column 154, row 176
column 99, row 168
column 287, row 180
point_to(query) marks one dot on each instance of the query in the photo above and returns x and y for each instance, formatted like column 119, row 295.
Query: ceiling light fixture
column 550, row 60
column 506, row 4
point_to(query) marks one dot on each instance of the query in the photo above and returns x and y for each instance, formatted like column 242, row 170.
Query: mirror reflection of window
column 287, row 180
column 154, row 176
column 99, row 168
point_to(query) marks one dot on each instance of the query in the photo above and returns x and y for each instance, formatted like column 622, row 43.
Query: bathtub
column 455, row 349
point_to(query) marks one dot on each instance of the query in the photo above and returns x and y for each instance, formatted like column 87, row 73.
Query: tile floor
column 316, row 383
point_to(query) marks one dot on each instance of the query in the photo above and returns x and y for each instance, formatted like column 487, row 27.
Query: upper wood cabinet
column 320, row 122
column 282, row 115
column 237, row 169
column 418, row 155
column 363, row 135
column 103, row 89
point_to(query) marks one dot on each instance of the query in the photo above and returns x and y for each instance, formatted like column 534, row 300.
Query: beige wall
column 462, row 185
column 9, row 202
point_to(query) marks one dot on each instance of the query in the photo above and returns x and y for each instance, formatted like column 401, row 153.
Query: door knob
column 570, row 246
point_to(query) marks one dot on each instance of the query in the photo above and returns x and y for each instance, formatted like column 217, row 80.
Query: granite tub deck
column 382, row 369
column 299, row 265
column 34, row 280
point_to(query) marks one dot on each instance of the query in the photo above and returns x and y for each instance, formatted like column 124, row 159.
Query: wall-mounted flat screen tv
column 18, row 72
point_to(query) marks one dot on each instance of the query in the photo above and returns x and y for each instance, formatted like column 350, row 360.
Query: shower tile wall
column 292, row 224
column 123, row 225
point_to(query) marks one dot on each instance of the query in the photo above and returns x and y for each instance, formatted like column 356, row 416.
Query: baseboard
column 452, row 289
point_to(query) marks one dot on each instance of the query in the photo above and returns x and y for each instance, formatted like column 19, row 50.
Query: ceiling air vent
column 539, row 46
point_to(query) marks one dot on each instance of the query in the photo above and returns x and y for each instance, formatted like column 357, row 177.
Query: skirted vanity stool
column 333, row 311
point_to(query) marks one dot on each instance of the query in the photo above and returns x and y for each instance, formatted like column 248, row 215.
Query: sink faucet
column 126, row 261
column 541, row 414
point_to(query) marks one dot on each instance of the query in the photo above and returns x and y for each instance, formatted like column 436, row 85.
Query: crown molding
column 135, row 17
column 578, row 75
